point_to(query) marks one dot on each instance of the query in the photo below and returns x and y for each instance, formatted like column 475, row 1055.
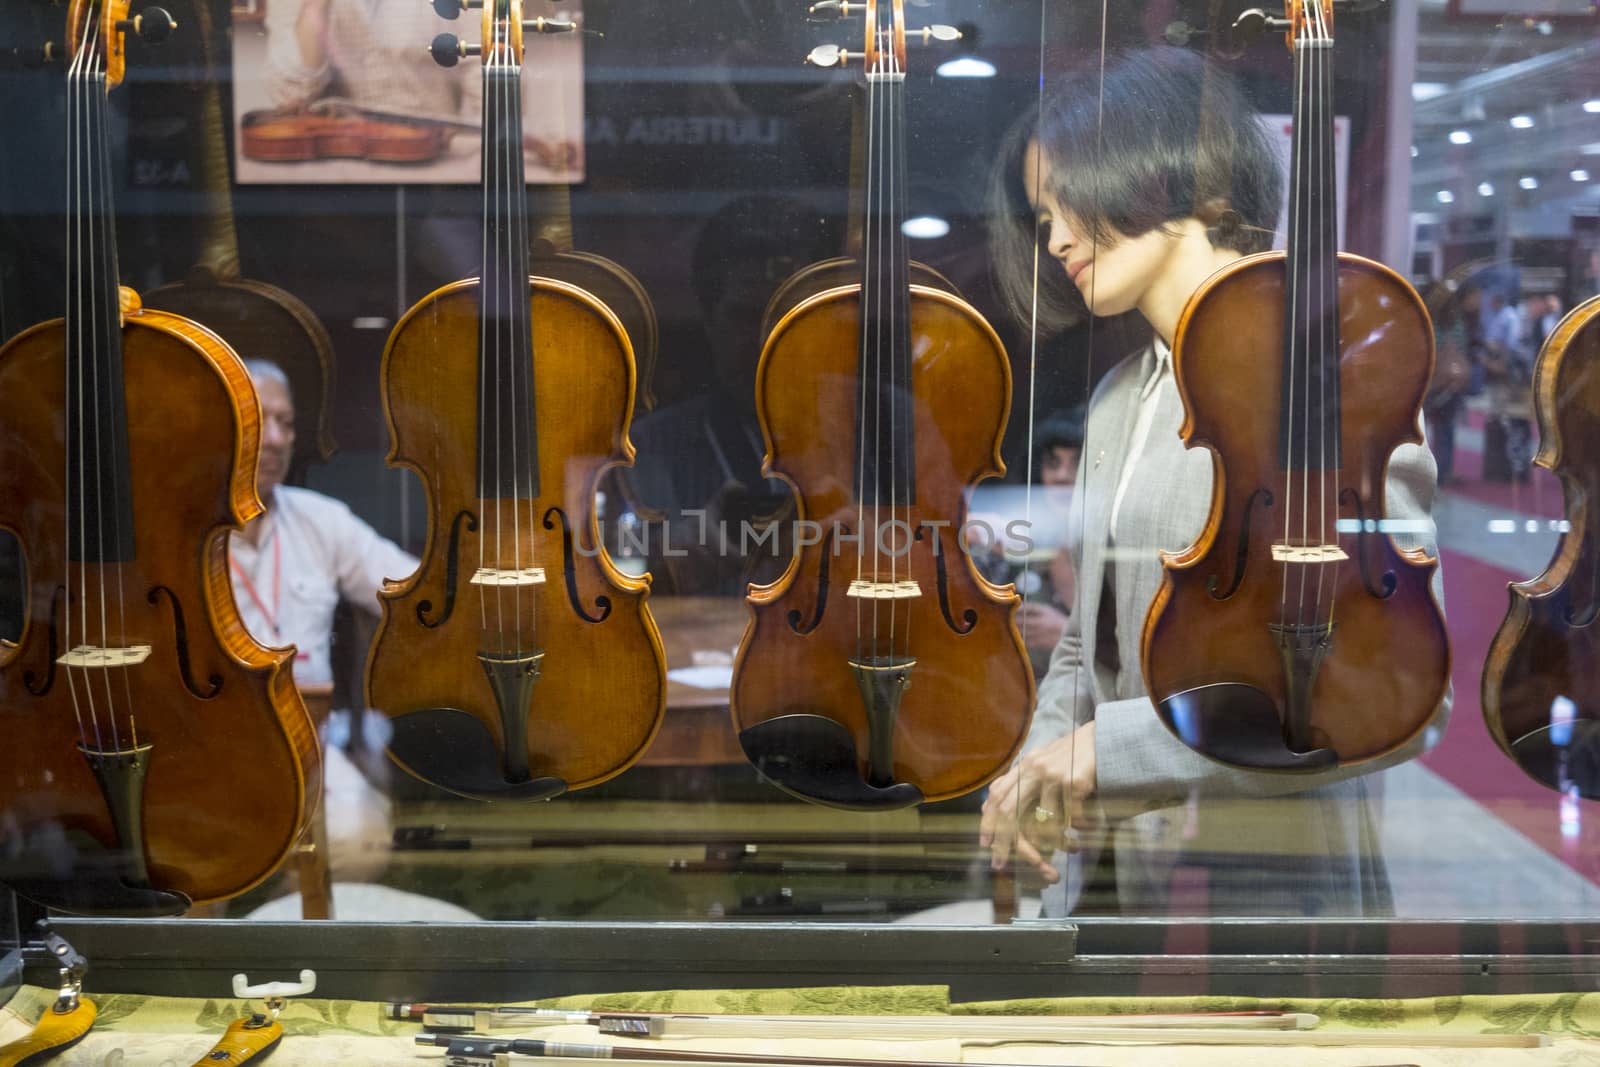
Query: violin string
column 485, row 317
column 114, row 350
column 516, row 308
column 74, row 374
column 862, row 371
column 893, row 295
column 1292, row 310
column 100, row 348
column 877, row 357
column 1331, row 236
column 498, row 318
column 1320, row 104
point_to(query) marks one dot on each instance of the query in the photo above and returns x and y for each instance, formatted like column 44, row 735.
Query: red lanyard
column 250, row 587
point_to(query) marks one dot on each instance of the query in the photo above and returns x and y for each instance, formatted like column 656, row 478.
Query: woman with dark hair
column 1139, row 187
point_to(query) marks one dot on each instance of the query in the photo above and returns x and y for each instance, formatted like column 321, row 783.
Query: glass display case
column 774, row 506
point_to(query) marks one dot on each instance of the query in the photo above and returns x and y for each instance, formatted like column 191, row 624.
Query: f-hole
column 1389, row 582
column 452, row 571
column 180, row 631
column 602, row 603
column 797, row 622
column 52, row 649
column 969, row 617
column 1241, row 558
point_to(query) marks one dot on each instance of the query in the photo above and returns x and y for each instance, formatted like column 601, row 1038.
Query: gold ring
column 1043, row 814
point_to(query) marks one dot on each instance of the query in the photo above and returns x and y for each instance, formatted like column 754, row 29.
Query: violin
column 1294, row 635
column 254, row 317
column 156, row 754
column 881, row 669
column 336, row 132
column 1543, row 668
column 518, row 662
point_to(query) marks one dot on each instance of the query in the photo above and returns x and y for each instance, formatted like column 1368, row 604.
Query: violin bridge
column 500, row 576
column 1282, row 553
column 903, row 590
column 102, row 658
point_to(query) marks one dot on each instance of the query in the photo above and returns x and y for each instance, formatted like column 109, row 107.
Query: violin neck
column 884, row 431
column 507, row 434
column 1310, row 411
column 99, row 505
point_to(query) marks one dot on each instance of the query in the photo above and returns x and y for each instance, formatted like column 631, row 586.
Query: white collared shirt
column 1141, row 426
column 312, row 552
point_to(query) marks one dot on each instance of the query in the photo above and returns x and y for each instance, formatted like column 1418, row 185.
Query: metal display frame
column 521, row 961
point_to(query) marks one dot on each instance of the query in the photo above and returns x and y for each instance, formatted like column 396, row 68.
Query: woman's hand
column 1035, row 804
column 1041, row 624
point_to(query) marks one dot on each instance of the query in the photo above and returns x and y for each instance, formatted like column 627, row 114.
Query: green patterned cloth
column 155, row 1031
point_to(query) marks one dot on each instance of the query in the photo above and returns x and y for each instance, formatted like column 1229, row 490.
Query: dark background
column 644, row 204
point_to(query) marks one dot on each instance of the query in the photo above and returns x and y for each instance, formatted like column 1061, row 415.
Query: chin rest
column 73, row 873
column 454, row 750
column 814, row 758
column 1563, row 755
column 1239, row 725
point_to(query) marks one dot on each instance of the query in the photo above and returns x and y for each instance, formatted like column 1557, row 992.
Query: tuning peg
column 451, row 9
column 33, row 58
column 1256, row 21
column 834, row 10
column 152, row 25
column 544, row 25
column 935, row 33
column 447, row 49
column 831, row 55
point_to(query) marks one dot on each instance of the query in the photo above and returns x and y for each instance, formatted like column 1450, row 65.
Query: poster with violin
column 349, row 91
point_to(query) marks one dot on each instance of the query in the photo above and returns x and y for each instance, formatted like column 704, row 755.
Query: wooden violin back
column 1541, row 678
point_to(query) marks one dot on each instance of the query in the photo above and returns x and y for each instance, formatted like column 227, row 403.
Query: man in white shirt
column 293, row 564
column 290, row 567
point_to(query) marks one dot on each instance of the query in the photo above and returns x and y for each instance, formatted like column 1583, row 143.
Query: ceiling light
column 1580, row 175
column 966, row 67
column 1485, row 188
column 925, row 227
column 1528, row 181
column 1413, row 151
column 1592, row 106
column 1421, row 91
column 1522, row 122
column 1445, row 196
column 1460, row 137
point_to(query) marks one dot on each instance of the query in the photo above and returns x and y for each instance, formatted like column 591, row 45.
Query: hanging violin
column 155, row 753
column 1293, row 634
column 881, row 670
column 1541, row 678
column 255, row 318
column 517, row 663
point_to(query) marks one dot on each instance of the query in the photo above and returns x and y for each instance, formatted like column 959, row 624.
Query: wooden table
column 697, row 731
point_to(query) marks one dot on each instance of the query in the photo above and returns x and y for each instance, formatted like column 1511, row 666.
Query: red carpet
column 1468, row 758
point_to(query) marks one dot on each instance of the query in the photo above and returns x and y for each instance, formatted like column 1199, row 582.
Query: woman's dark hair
column 1166, row 136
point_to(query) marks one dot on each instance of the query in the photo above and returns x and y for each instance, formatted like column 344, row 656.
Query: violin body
column 232, row 752
column 969, row 700
column 298, row 137
column 599, row 691
column 1385, row 670
column 1541, row 678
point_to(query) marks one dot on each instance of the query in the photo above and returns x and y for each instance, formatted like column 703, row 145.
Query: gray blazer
column 1193, row 836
